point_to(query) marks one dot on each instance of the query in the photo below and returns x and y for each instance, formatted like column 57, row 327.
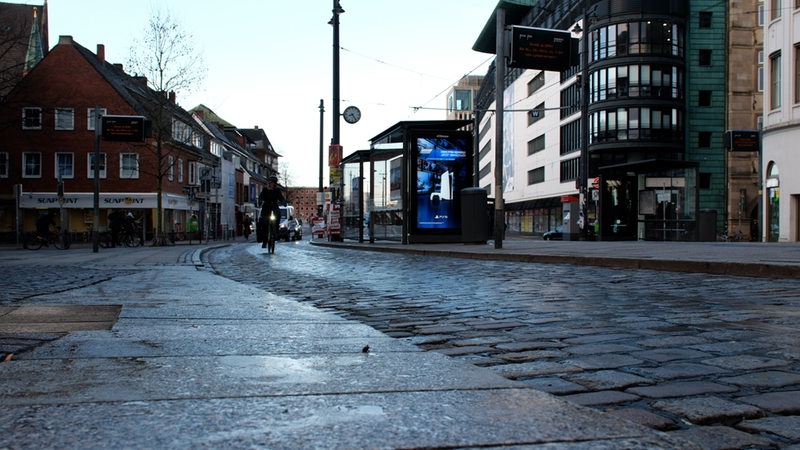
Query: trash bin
column 474, row 216
column 707, row 225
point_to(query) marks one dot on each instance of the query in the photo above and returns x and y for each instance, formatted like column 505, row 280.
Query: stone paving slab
column 783, row 402
column 153, row 378
column 103, row 344
column 520, row 417
column 769, row 378
column 785, row 426
column 705, row 410
column 717, row 437
column 681, row 389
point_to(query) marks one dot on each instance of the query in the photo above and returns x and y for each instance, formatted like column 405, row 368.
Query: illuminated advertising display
column 443, row 169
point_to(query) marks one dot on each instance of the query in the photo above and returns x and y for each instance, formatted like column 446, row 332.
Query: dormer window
column 31, row 118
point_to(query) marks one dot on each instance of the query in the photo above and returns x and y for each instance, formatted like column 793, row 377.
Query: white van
column 286, row 212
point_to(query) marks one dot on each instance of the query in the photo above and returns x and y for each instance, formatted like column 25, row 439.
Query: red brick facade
column 71, row 78
column 304, row 200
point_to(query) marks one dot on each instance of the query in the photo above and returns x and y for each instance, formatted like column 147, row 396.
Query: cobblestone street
column 714, row 359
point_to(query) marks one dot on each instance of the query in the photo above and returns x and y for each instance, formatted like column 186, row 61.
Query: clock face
column 352, row 114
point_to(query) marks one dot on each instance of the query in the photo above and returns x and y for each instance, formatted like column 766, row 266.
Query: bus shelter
column 406, row 186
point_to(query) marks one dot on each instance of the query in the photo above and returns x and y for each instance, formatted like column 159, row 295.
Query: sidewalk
column 190, row 359
column 751, row 259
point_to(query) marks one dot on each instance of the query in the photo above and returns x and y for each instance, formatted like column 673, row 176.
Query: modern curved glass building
column 632, row 133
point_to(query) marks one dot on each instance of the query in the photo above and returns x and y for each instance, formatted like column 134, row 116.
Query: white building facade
column 781, row 134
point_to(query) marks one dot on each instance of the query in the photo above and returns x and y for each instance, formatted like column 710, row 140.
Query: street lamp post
column 320, row 198
column 584, row 168
column 337, row 10
column 500, row 75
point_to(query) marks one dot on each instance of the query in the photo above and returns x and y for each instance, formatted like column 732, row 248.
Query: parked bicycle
column 132, row 237
column 129, row 238
column 55, row 238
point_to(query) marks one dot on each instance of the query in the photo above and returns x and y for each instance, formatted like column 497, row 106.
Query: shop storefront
column 77, row 210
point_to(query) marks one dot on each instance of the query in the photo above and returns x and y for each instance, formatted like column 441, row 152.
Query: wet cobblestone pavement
column 714, row 359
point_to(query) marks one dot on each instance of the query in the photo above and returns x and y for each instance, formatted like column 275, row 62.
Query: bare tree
column 287, row 178
column 167, row 59
column 20, row 50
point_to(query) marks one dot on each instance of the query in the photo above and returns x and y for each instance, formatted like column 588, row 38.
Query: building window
column 485, row 150
column 636, row 124
column 171, row 168
column 65, row 119
column 704, row 98
column 647, row 37
column 536, row 114
column 4, row 165
column 636, row 80
column 797, row 74
column 31, row 118
column 760, row 71
column 705, row 181
column 536, row 176
column 570, row 100
column 31, row 165
column 570, row 169
column 193, row 181
column 485, row 170
column 704, row 139
column 181, row 132
column 90, row 118
column 536, row 83
column 570, row 137
column 129, row 165
column 180, row 171
column 775, row 9
column 65, row 167
column 705, row 19
column 90, row 165
column 705, row 57
column 536, row 145
column 775, row 80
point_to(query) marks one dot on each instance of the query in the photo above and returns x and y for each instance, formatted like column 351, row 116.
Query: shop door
column 619, row 208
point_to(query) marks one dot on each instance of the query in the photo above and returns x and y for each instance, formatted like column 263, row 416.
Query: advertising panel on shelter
column 443, row 169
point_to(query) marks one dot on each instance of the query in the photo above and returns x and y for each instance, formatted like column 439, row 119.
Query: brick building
column 49, row 138
column 304, row 200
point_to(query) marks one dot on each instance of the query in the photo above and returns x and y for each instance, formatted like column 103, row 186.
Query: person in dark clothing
column 247, row 223
column 271, row 199
column 44, row 224
column 116, row 220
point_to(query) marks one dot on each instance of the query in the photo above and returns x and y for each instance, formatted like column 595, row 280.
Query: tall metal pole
column 336, row 185
column 96, row 170
column 499, row 83
column 320, row 198
column 583, row 171
column 337, row 9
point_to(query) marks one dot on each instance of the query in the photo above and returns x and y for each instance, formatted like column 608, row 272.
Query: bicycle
column 271, row 233
column 57, row 239
column 132, row 238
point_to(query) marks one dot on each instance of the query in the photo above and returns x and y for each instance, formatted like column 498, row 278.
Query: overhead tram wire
column 417, row 108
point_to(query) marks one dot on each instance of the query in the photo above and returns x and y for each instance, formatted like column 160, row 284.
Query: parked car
column 557, row 234
column 290, row 230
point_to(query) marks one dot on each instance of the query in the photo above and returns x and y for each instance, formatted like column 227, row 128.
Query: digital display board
column 542, row 49
column 443, row 169
column 123, row 128
column 742, row 140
